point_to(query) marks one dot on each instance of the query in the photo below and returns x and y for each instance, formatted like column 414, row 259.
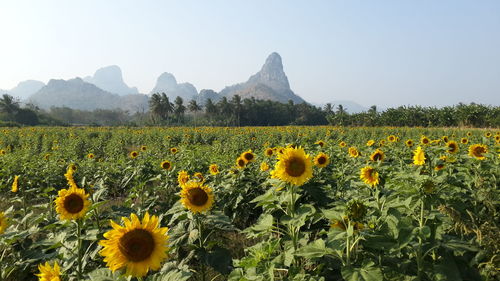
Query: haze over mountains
column 106, row 89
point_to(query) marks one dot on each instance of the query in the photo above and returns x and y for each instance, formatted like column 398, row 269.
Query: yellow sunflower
column 477, row 151
column 72, row 203
column 294, row 166
column 214, row 169
column 369, row 176
column 248, row 156
column 48, row 273
column 264, row 166
column 144, row 148
column 419, row 156
column 199, row 177
column 321, row 143
column 444, row 138
column 166, row 165
column 392, row 138
column 409, row 143
column 137, row 246
column 269, row 152
column 90, row 156
column 241, row 163
column 2, row 152
column 15, row 186
column 488, row 134
column 197, row 197
column 174, row 150
column 321, row 160
column 353, row 152
column 342, row 144
column 424, row 140
column 452, row 146
column 3, row 223
column 469, row 134
column 377, row 155
column 439, row 166
column 182, row 177
column 134, row 154
column 370, row 143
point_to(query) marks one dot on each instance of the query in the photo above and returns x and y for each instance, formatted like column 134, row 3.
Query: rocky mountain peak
column 110, row 79
column 272, row 74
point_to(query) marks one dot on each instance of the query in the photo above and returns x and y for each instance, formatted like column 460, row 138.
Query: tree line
column 248, row 112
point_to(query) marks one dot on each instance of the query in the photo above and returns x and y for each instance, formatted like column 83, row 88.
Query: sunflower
column 370, row 143
column 377, row 155
column 90, row 156
column 488, row 134
column 166, row 165
column 353, row 152
column 134, row 154
column 497, row 138
column 248, row 156
column 452, row 146
column 477, row 150
column 342, row 144
column 197, row 197
column 174, row 150
column 241, row 163
column 214, row 169
column 439, row 166
column 321, row 143
column 264, row 166
column 419, row 156
column 48, row 273
column 424, row 140
column 464, row 141
column 2, row 152
column 294, row 166
column 15, row 186
column 182, row 178
column 199, row 177
column 144, row 148
column 321, row 160
column 392, row 138
column 72, row 203
column 46, row 156
column 137, row 246
column 269, row 152
column 3, row 223
column 409, row 143
column 469, row 134
column 369, row 176
column 444, row 138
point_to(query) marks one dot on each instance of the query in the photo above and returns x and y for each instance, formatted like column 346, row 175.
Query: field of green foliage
column 251, row 203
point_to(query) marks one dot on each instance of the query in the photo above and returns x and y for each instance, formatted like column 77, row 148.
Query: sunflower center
column 321, row 160
column 137, row 245
column 479, row 151
column 241, row 163
column 197, row 196
column 166, row 165
column 377, row 157
column 73, row 203
column 295, row 167
column 248, row 156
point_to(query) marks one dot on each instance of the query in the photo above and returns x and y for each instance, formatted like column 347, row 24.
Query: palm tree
column 194, row 107
column 179, row 108
column 236, row 102
column 9, row 106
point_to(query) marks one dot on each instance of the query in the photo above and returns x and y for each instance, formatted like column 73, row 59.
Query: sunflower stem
column 78, row 233
column 201, row 245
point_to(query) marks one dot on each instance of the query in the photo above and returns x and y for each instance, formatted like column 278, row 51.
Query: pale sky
column 385, row 52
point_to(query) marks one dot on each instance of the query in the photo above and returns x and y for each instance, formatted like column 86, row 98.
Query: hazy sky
column 430, row 52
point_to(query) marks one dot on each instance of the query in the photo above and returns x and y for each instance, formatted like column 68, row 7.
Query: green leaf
column 366, row 273
column 316, row 249
column 104, row 274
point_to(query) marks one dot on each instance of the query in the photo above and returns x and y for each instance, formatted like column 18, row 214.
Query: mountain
column 166, row 83
column 206, row 94
column 110, row 79
column 270, row 83
column 349, row 106
column 78, row 94
column 25, row 89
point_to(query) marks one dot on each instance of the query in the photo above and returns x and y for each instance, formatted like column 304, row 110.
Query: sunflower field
column 251, row 203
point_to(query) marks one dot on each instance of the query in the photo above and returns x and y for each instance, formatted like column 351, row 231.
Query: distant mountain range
column 106, row 89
